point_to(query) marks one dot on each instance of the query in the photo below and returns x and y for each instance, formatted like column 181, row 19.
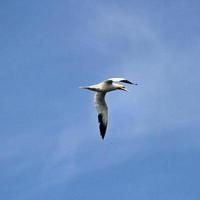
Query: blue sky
column 50, row 146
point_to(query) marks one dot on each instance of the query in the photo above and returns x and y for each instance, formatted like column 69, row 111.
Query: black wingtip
column 102, row 126
column 126, row 81
column 102, row 136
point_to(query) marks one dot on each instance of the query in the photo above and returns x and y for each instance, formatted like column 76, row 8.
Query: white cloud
column 138, row 53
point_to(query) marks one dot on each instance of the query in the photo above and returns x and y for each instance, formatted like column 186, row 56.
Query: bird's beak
column 124, row 89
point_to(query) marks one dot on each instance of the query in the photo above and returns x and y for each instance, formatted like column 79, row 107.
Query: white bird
column 101, row 89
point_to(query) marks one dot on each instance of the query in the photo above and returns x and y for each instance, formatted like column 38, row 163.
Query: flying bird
column 101, row 89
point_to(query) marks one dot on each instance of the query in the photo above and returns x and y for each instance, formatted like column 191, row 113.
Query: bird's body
column 101, row 89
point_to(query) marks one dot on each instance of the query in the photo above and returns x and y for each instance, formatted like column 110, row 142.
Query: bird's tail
column 84, row 87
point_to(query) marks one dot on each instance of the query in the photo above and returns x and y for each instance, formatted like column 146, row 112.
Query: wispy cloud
column 132, row 47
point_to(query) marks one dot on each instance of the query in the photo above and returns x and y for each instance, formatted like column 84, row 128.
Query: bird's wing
column 102, row 110
column 123, row 80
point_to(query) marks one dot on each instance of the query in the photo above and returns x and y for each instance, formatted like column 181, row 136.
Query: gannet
column 101, row 89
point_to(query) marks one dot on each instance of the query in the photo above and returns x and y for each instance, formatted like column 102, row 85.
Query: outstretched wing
column 123, row 80
column 102, row 111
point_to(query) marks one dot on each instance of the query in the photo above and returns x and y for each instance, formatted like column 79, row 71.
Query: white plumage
column 102, row 111
column 101, row 89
